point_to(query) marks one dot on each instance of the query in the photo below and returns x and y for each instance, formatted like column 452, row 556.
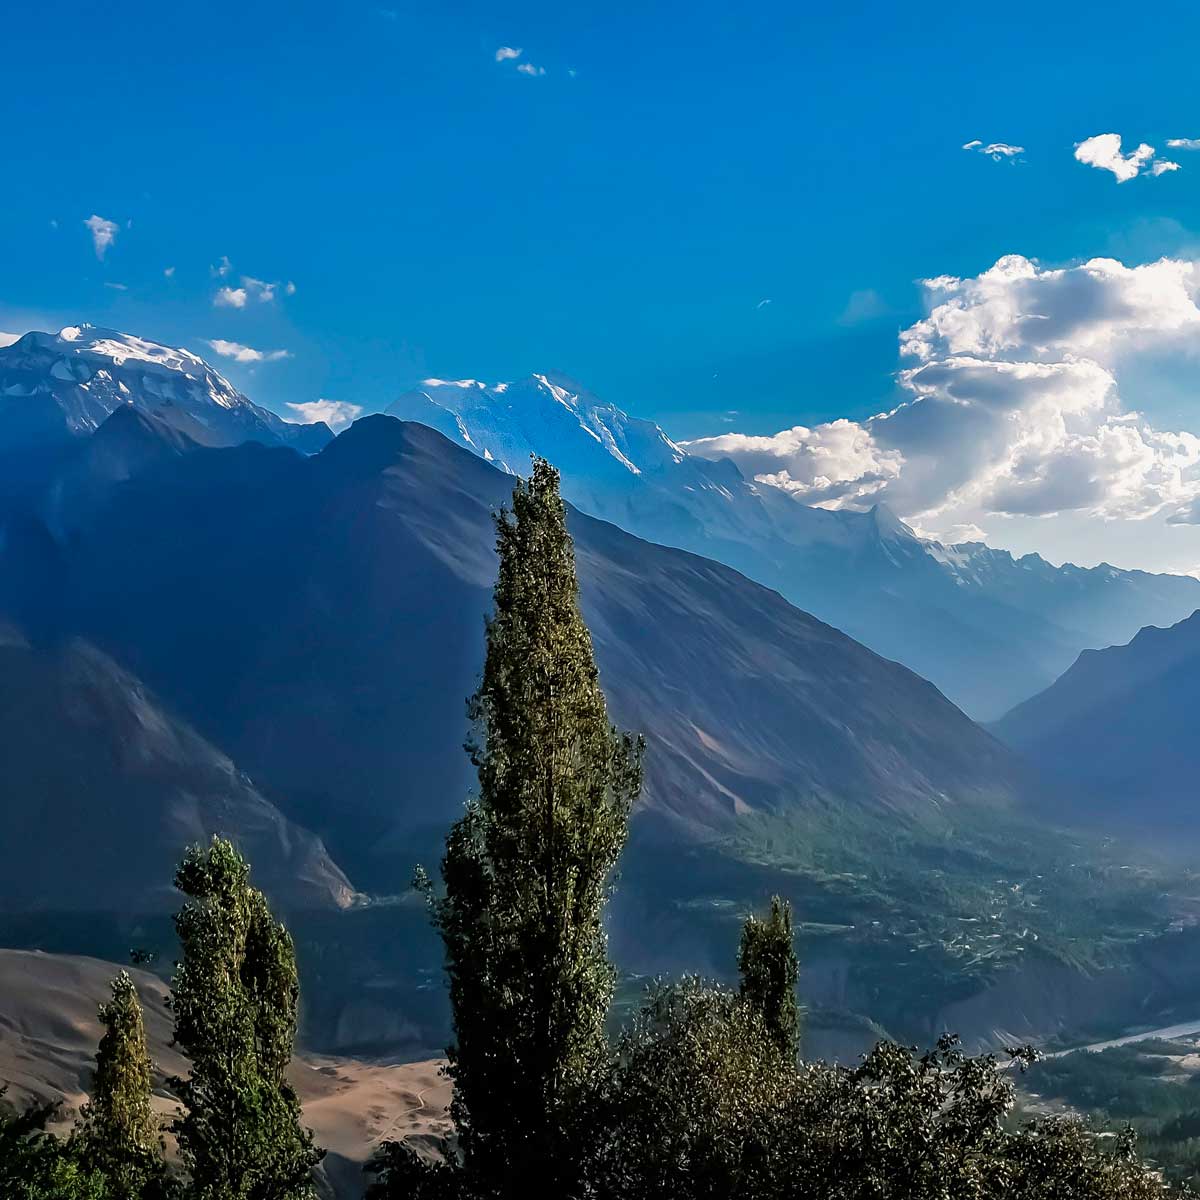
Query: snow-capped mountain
column 56, row 385
column 988, row 629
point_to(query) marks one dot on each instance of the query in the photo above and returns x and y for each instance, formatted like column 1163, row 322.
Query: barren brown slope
column 49, row 1033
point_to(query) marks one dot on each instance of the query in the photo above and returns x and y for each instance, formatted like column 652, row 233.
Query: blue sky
column 621, row 217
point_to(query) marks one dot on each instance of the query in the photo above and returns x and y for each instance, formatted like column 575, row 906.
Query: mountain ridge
column 988, row 628
column 64, row 385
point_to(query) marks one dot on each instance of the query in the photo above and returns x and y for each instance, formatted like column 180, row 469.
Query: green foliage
column 703, row 1106
column 34, row 1165
column 527, row 868
column 698, row 1082
column 234, row 997
column 117, row 1133
column 769, row 971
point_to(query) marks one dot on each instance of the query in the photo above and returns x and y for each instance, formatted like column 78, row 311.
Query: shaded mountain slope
column 1122, row 728
column 322, row 620
column 103, row 790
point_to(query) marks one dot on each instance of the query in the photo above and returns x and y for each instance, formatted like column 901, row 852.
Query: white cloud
column 1184, row 143
column 259, row 289
column 251, row 289
column 1104, row 152
column 997, row 151
column 337, row 414
column 529, row 69
column 228, row 297
column 1018, row 308
column 955, row 535
column 762, row 303
column 7, row 339
column 117, row 287
column 104, row 233
column 169, row 272
column 506, row 52
column 246, row 354
column 1013, row 407
column 828, row 465
column 222, row 268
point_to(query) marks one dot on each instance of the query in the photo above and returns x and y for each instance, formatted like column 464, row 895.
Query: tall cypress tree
column 117, row 1133
column 234, row 996
column 769, row 970
column 527, row 868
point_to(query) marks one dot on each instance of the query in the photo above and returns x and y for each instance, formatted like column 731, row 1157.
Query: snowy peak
column 547, row 414
column 67, row 383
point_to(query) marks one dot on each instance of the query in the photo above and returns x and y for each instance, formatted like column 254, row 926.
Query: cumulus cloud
column 1184, row 143
column 1104, row 152
column 1012, row 407
column 527, row 68
column 246, row 354
column 506, row 52
column 169, row 272
column 827, row 465
column 104, row 233
column 997, row 151
column 228, row 297
column 337, row 414
column 1017, row 308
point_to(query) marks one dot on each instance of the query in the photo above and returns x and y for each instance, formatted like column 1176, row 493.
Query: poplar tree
column 769, row 970
column 117, row 1133
column 527, row 869
column 234, row 997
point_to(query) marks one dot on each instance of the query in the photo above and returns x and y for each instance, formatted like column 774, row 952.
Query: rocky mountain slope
column 988, row 629
column 1121, row 730
column 321, row 619
column 103, row 789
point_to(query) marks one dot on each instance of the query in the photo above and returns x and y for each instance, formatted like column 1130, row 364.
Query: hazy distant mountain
column 54, row 386
column 321, row 619
column 1123, row 727
column 988, row 629
column 103, row 789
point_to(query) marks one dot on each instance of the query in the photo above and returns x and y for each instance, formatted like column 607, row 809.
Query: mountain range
column 275, row 641
column 320, row 619
column 988, row 629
